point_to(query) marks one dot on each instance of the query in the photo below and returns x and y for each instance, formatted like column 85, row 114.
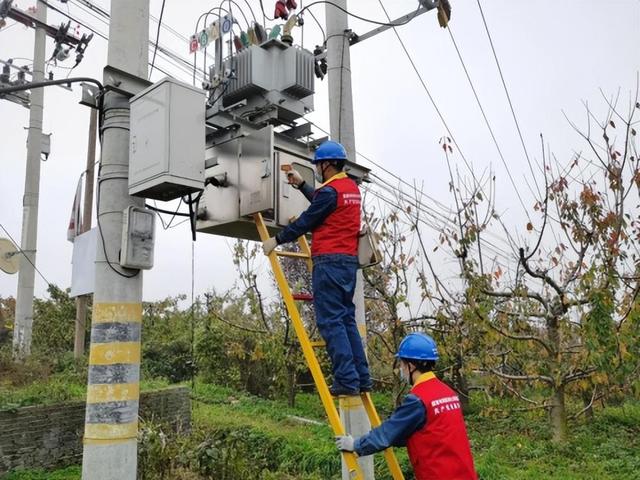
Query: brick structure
column 51, row 436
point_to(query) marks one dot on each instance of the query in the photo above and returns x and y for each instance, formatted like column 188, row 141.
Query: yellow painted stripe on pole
column 116, row 392
column 117, row 312
column 115, row 441
column 350, row 403
column 108, row 433
column 362, row 330
column 115, row 352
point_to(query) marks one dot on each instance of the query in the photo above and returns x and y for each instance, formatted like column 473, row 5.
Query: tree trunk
column 558, row 415
column 291, row 387
column 588, row 405
column 461, row 386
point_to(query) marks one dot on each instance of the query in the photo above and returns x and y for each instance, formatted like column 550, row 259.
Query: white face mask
column 318, row 174
column 405, row 375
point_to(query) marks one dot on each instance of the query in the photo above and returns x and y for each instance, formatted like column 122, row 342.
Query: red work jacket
column 440, row 450
column 339, row 232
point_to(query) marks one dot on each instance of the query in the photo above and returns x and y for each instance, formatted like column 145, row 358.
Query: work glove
column 345, row 443
column 294, row 178
column 269, row 245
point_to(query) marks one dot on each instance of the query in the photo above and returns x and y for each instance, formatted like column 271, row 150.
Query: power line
column 25, row 255
column 426, row 89
column 486, row 120
column 172, row 57
column 416, row 203
column 368, row 159
column 155, row 49
column 506, row 91
column 488, row 245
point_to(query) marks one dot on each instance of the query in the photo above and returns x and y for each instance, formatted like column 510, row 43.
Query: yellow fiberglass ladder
column 312, row 361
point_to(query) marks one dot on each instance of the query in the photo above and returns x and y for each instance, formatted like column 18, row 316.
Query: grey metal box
column 167, row 142
column 245, row 184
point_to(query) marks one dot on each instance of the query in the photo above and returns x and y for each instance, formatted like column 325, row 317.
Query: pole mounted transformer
column 225, row 148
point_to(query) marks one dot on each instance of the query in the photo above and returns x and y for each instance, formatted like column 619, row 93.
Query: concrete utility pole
column 352, row 412
column 26, row 275
column 83, row 300
column 111, row 423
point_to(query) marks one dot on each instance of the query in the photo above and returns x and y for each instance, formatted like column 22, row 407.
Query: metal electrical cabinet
column 166, row 150
column 245, row 178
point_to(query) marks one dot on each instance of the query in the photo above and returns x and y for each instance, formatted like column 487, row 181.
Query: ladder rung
column 318, row 343
column 305, row 297
column 292, row 254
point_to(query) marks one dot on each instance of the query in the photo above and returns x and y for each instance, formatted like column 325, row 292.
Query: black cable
column 155, row 50
column 506, row 91
column 324, row 36
column 66, row 14
column 105, row 37
column 264, row 14
column 167, row 212
column 368, row 20
column 104, row 247
column 24, row 254
column 48, row 83
column 192, row 219
column 251, row 10
column 241, row 12
column 195, row 53
column 486, row 121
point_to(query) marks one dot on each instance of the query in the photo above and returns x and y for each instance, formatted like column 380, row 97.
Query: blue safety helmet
column 329, row 150
column 418, row 346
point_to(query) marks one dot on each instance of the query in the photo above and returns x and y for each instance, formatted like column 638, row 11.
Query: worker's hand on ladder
column 269, row 245
column 294, row 178
column 345, row 443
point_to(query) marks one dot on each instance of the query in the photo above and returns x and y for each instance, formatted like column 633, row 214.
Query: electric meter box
column 244, row 176
column 138, row 238
column 167, row 141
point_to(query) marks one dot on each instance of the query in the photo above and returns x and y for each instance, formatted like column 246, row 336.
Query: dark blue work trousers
column 334, row 283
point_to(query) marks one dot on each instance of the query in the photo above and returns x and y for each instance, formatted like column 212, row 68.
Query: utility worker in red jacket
column 429, row 421
column 334, row 220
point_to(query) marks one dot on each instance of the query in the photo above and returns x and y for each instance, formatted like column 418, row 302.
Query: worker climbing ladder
column 312, row 361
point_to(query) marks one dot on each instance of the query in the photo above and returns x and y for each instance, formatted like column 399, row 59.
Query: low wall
column 51, row 436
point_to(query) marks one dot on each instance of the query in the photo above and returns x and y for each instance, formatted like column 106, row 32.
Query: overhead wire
column 488, row 245
column 506, row 91
column 172, row 58
column 444, row 215
column 486, row 121
column 435, row 106
column 431, row 99
column 155, row 49
column 24, row 254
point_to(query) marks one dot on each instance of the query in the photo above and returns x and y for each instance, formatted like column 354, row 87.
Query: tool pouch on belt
column 368, row 253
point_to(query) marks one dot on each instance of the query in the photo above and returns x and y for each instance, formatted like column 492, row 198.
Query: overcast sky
column 554, row 55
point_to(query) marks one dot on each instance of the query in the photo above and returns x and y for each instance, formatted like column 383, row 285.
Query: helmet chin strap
column 324, row 169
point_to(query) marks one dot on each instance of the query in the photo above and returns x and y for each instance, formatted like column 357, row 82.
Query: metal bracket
column 89, row 95
column 123, row 82
column 427, row 5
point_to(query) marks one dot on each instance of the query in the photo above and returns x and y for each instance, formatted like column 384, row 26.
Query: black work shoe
column 341, row 391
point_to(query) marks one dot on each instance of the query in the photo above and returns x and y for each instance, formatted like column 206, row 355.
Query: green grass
column 70, row 473
column 507, row 444
column 58, row 388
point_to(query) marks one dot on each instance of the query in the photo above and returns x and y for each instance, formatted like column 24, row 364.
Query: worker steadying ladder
column 334, row 220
